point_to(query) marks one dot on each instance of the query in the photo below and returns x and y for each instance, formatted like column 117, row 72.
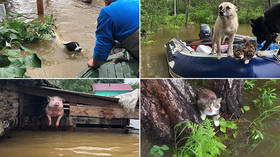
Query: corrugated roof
column 111, row 87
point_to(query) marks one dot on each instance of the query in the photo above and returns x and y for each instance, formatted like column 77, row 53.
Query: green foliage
column 245, row 109
column 268, row 95
column 202, row 143
column 249, row 84
column 14, row 33
column 158, row 13
column 224, row 124
column 135, row 85
column 158, row 151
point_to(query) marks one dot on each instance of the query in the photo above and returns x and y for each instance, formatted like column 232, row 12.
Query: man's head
column 108, row 2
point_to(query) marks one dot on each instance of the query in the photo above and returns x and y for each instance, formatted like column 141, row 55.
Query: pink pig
column 55, row 109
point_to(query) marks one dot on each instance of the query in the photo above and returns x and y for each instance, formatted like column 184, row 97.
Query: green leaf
column 12, row 51
column 16, row 69
column 223, row 129
column 4, row 61
column 246, row 108
column 234, row 135
column 32, row 61
column 26, row 49
column 13, row 36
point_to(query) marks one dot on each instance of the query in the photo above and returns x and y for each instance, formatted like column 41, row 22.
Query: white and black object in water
column 73, row 46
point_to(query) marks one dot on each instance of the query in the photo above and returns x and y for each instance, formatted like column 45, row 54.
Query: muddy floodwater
column 153, row 59
column 76, row 21
column 69, row 144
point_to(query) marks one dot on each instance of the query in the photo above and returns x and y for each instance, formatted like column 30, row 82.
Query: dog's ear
column 237, row 8
column 252, row 22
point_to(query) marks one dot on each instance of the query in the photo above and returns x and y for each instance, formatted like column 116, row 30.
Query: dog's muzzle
column 221, row 13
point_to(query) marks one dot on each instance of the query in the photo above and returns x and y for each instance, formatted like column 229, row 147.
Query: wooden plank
column 72, row 98
column 102, row 112
column 103, row 73
column 119, row 71
column 21, row 105
column 95, row 122
column 126, row 70
column 111, row 70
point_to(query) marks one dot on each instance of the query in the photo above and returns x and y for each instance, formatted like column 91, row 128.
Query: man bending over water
column 118, row 22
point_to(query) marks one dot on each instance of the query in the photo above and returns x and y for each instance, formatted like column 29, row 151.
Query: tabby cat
column 247, row 52
column 250, row 50
column 208, row 104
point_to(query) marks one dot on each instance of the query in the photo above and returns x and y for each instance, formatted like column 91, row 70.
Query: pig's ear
column 63, row 100
column 48, row 98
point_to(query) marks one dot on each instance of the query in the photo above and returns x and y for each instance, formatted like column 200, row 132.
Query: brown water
column 76, row 21
column 153, row 59
column 69, row 144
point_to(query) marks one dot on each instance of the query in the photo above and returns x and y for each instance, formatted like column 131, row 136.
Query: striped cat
column 250, row 50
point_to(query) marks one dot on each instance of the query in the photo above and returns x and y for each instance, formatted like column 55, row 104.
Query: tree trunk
column 187, row 11
column 175, row 7
column 166, row 102
column 269, row 3
column 231, row 92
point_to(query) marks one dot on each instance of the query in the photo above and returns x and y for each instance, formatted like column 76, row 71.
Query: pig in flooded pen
column 54, row 109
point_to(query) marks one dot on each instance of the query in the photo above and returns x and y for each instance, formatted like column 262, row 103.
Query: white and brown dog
column 226, row 26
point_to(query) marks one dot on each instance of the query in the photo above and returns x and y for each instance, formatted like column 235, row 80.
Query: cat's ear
column 219, row 100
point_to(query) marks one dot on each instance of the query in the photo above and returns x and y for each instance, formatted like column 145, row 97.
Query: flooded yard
column 76, row 21
column 69, row 144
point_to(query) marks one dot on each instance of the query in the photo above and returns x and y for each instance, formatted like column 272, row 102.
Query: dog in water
column 72, row 46
column 266, row 28
column 226, row 26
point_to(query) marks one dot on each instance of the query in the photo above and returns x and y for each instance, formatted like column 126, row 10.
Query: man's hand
column 93, row 63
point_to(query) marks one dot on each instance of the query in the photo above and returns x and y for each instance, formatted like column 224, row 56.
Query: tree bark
column 269, row 3
column 175, row 7
column 231, row 92
column 187, row 12
column 166, row 102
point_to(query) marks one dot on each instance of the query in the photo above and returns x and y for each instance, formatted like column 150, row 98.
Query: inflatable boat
column 184, row 62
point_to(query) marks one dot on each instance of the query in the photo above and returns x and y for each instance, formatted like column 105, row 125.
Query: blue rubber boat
column 186, row 63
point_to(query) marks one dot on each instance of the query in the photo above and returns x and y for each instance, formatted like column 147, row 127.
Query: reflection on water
column 69, row 144
column 76, row 21
column 153, row 60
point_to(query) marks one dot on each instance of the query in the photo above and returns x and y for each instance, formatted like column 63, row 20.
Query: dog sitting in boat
column 226, row 26
column 266, row 28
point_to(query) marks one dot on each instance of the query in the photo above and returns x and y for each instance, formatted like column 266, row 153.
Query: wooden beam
column 40, row 7
column 71, row 97
column 102, row 112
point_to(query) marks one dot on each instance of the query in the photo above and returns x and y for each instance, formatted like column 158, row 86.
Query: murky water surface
column 153, row 56
column 69, row 144
column 76, row 21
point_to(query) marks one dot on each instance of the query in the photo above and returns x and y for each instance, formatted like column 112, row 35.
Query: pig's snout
column 57, row 104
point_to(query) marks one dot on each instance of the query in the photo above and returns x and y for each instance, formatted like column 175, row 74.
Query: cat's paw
column 203, row 116
column 216, row 123
column 246, row 61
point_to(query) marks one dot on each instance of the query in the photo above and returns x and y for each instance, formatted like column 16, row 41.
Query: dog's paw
column 246, row 61
column 219, row 57
column 212, row 53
